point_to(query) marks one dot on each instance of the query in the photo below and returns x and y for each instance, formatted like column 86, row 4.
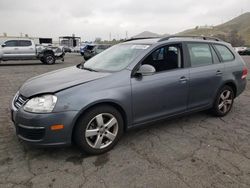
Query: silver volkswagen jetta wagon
column 130, row 84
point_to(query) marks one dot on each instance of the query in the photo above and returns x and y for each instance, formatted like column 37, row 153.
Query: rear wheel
column 99, row 129
column 49, row 58
column 224, row 101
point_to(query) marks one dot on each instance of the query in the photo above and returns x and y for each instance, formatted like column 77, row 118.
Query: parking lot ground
column 198, row 150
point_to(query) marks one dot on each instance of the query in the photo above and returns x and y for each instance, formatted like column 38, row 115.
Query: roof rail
column 131, row 39
column 189, row 36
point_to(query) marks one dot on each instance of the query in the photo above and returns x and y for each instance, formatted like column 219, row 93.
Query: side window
column 225, row 53
column 25, row 43
column 11, row 43
column 200, row 54
column 165, row 58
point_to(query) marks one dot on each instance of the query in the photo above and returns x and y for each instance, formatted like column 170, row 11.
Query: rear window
column 25, row 43
column 200, row 54
column 224, row 52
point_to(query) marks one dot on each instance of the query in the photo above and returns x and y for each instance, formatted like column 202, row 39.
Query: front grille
column 35, row 134
column 19, row 101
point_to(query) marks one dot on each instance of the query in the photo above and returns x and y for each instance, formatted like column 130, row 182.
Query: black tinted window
column 200, row 54
column 165, row 58
column 25, row 43
column 11, row 43
column 225, row 53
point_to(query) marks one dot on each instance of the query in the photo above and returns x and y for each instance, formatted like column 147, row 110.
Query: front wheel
column 99, row 129
column 224, row 101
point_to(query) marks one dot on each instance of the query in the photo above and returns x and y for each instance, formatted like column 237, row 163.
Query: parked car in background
column 245, row 52
column 67, row 49
column 25, row 49
column 91, row 50
column 240, row 49
column 82, row 48
column 87, row 50
column 128, row 85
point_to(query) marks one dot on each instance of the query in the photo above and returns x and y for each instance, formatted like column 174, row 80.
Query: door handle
column 218, row 73
column 15, row 48
column 183, row 79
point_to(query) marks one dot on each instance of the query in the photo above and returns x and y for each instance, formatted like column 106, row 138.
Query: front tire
column 223, row 102
column 99, row 129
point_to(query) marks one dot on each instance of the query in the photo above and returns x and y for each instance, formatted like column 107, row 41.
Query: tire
column 93, row 134
column 223, row 102
column 49, row 58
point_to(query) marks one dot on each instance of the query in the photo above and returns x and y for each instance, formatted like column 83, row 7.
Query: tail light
column 244, row 73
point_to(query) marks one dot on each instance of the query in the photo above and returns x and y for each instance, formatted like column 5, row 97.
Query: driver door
column 10, row 50
column 164, row 93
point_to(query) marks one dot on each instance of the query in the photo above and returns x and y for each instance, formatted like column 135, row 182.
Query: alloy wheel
column 101, row 131
column 225, row 101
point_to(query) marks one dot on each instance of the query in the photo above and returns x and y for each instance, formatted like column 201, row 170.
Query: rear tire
column 223, row 102
column 49, row 59
column 99, row 129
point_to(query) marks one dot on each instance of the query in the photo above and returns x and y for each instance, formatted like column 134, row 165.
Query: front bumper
column 34, row 128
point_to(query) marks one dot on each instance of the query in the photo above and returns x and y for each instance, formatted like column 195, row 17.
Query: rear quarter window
column 224, row 52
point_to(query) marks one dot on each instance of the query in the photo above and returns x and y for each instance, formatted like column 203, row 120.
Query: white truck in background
column 26, row 49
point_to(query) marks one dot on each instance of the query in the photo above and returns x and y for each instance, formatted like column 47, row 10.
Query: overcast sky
column 97, row 18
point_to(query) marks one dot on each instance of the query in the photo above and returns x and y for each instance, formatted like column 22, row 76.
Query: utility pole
column 110, row 36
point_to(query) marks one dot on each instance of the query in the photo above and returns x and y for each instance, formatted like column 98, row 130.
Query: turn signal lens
column 56, row 127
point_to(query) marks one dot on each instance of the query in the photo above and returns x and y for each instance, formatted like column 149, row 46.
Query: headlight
column 41, row 104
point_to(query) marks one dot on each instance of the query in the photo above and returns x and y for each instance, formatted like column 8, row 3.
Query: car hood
column 58, row 80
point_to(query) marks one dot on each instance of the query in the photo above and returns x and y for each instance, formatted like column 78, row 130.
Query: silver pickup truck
column 26, row 49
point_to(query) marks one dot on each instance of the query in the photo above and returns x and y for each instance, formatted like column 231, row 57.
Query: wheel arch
column 47, row 51
column 233, row 86
column 93, row 105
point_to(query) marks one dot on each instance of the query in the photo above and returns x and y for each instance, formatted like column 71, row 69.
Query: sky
column 98, row 18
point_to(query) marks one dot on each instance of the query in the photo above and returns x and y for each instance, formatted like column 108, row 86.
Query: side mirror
column 3, row 45
column 146, row 70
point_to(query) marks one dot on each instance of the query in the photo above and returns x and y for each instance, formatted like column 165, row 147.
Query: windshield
column 115, row 58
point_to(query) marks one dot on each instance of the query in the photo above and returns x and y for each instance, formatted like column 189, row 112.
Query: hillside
column 146, row 34
column 240, row 24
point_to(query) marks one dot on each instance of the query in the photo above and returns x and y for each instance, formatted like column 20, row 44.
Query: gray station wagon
column 130, row 84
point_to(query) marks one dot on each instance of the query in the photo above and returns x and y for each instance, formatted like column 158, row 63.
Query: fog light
column 56, row 127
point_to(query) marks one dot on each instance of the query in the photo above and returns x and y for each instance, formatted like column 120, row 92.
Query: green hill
column 239, row 25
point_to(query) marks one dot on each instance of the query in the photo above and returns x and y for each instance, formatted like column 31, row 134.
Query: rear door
column 206, row 73
column 10, row 50
column 26, row 49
